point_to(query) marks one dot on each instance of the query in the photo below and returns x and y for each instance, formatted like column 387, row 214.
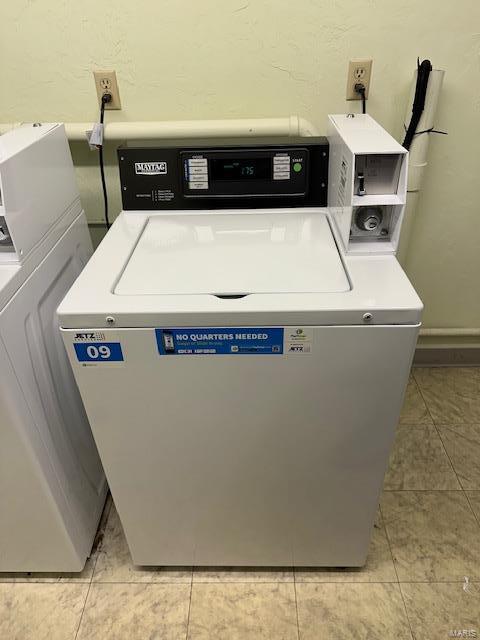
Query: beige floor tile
column 418, row 461
column 41, row 611
column 452, row 394
column 114, row 563
column 414, row 408
column 234, row 574
column 243, row 612
column 379, row 566
column 462, row 443
column 351, row 612
column 135, row 612
column 436, row 610
column 433, row 535
column 474, row 499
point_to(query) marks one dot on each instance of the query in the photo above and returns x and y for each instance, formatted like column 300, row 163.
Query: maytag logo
column 150, row 168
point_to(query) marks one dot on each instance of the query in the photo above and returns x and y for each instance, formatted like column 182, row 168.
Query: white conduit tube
column 417, row 163
column 451, row 332
column 255, row 127
column 417, row 160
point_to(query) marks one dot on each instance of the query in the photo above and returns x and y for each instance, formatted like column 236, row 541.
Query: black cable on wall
column 423, row 74
column 105, row 99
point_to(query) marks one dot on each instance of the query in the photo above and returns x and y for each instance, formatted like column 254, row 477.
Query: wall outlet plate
column 106, row 82
column 358, row 71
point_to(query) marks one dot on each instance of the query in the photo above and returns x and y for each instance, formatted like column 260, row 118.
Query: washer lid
column 233, row 255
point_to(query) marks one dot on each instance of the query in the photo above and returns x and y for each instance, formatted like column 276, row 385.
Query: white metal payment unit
column 243, row 371
column 52, row 486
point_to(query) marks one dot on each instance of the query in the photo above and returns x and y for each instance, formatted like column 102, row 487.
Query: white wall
column 233, row 58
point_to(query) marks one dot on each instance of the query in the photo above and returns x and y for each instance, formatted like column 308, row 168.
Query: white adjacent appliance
column 242, row 349
column 52, row 486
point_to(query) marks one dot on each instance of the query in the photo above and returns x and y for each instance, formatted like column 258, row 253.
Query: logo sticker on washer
column 94, row 348
column 220, row 341
column 89, row 336
column 234, row 341
column 150, row 168
column 298, row 340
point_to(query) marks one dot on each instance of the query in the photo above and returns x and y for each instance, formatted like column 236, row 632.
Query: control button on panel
column 197, row 162
column 198, row 184
column 198, row 171
column 297, row 167
column 281, row 175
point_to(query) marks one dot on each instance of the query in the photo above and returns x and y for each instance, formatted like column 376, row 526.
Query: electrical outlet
column 106, row 82
column 358, row 71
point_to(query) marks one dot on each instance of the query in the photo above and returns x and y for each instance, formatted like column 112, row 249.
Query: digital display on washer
column 241, row 169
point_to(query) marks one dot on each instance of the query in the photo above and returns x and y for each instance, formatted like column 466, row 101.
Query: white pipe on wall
column 417, row 159
column 287, row 126
column 306, row 128
column 460, row 332
column 8, row 126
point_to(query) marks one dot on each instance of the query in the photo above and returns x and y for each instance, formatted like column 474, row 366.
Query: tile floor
column 421, row 581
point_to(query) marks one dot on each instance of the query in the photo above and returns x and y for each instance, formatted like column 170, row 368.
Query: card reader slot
column 230, row 296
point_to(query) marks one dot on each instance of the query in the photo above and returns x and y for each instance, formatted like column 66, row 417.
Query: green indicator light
column 297, row 167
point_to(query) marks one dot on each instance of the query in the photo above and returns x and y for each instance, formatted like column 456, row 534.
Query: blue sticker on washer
column 99, row 352
column 220, row 341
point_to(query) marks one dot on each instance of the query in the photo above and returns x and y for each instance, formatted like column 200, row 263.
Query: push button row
column 197, row 173
column 281, row 167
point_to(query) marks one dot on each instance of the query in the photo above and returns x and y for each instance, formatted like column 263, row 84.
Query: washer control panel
column 247, row 172
column 271, row 172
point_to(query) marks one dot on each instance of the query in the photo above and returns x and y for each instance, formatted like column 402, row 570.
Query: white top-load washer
column 52, row 486
column 242, row 366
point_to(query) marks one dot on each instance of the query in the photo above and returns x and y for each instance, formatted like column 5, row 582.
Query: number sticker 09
column 99, row 352
column 103, row 352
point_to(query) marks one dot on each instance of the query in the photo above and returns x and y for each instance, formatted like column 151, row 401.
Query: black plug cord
column 106, row 98
column 423, row 73
column 360, row 88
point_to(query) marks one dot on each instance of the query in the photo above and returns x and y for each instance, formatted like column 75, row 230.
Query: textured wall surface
column 234, row 58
